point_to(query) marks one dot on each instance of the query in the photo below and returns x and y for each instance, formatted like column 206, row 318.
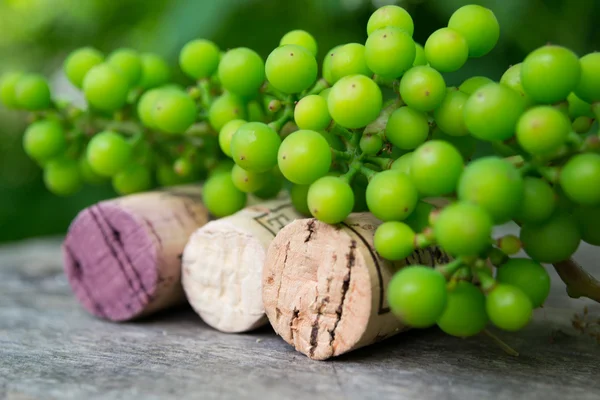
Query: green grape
column 247, row 181
column 32, row 92
column 417, row 295
column 492, row 112
column 422, row 88
column 391, row 196
column 370, row 144
column 435, row 168
column 580, row 179
column 326, row 66
column 394, row 240
column 588, row 87
column 389, row 52
column 446, row 50
column 62, row 177
column 330, row 199
column 311, row 113
column 463, row 229
column 108, row 152
column 542, row 130
column 242, row 71
column 254, row 147
column 407, row 128
column 354, row 101
column 79, row 62
column 449, row 115
column 479, row 26
column 553, row 240
column 466, row 145
column 418, row 220
column 132, row 178
column 273, row 183
column 470, row 85
column 299, row 196
column 349, row 59
column 465, row 313
column 291, row 68
column 390, row 16
column 174, row 111
column 221, row 197
column 495, row 185
column 508, row 307
column 183, row 167
column 588, row 222
column 359, row 187
column 155, row 71
column 255, row 112
column 7, row 89
column 550, row 73
column 304, row 156
column 105, row 87
column 88, row 175
column 44, row 140
column 129, row 63
column 578, row 107
column 403, row 163
column 145, row 106
column 529, row 276
column 166, row 176
column 226, row 133
column 420, row 58
column 300, row 38
column 199, row 58
column 539, row 201
column 225, row 108
column 512, row 79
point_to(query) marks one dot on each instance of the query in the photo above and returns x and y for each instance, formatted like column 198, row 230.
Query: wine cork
column 324, row 286
column 123, row 257
column 223, row 262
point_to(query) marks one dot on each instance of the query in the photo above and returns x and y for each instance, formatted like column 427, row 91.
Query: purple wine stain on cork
column 111, row 262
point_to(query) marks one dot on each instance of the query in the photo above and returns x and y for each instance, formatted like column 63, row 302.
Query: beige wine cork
column 324, row 286
column 223, row 262
column 123, row 257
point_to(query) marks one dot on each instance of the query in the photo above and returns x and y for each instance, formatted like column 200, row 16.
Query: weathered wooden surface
column 51, row 349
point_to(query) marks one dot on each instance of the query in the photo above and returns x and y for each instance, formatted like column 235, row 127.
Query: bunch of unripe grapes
column 378, row 131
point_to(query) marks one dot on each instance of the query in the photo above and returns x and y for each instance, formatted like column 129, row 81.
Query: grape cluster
column 380, row 130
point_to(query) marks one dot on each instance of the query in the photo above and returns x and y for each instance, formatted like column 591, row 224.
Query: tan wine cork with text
column 223, row 262
column 123, row 256
column 324, row 286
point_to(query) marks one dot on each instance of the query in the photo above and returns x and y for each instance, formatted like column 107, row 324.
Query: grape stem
column 367, row 172
column 507, row 349
column 381, row 162
column 205, row 95
column 267, row 88
column 579, row 282
column 287, row 115
column 353, row 169
column 341, row 155
column 318, row 87
column 340, row 131
column 448, row 270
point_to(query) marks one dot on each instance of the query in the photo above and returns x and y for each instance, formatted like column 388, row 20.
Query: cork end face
column 111, row 262
column 317, row 288
column 221, row 277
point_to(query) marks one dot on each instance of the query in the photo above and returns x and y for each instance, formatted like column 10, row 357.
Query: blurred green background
column 36, row 36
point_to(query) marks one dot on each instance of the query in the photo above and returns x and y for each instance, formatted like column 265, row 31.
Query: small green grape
column 407, row 128
column 330, row 199
column 479, row 26
column 225, row 108
column 508, row 307
column 389, row 52
column 272, row 185
column 291, row 68
column 183, row 167
column 221, row 197
column 349, row 59
column 304, row 156
column 311, row 113
column 435, row 168
column 242, row 71
column 418, row 220
column 247, row 181
column 420, row 58
column 174, row 111
column 199, row 58
column 422, row 88
column 326, row 66
column 226, row 133
column 394, row 240
column 155, row 71
column 551, row 241
column 446, row 50
column 254, row 147
column 166, row 176
column 449, row 115
column 529, row 276
column 354, row 101
column 108, row 152
column 88, row 174
column 463, row 229
column 539, row 201
column 580, row 179
column 542, row 130
column 44, row 140
column 465, row 313
column 7, row 89
column 417, row 295
column 79, row 62
column 470, row 85
column 300, row 38
column 132, row 178
column 393, row 16
column 370, row 144
column 391, row 196
column 578, row 107
column 62, row 177
column 105, row 87
column 512, row 79
column 588, row 87
column 32, row 92
column 403, row 163
column 145, row 106
column 129, row 63
column 299, row 196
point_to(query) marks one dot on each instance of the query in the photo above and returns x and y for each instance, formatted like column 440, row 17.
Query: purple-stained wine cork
column 123, row 257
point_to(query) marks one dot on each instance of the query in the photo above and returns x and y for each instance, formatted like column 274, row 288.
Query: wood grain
column 50, row 348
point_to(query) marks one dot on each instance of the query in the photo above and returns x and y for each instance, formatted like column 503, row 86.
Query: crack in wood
column 311, row 229
column 351, row 257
